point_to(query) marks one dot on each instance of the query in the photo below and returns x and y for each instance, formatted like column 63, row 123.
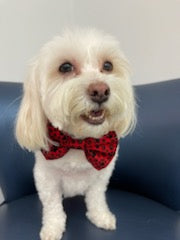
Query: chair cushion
column 137, row 218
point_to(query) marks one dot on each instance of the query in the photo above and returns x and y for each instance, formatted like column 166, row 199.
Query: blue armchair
column 144, row 192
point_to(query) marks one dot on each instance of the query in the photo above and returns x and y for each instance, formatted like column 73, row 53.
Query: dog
column 78, row 94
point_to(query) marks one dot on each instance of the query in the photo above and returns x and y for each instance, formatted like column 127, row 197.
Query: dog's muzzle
column 99, row 93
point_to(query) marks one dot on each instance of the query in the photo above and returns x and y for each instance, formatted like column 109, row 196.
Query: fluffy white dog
column 78, row 88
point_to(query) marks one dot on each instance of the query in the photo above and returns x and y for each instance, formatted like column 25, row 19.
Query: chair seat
column 138, row 218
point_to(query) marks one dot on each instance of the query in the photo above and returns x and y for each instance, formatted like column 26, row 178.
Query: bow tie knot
column 99, row 152
column 67, row 141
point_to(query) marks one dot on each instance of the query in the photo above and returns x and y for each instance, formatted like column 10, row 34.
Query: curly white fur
column 62, row 99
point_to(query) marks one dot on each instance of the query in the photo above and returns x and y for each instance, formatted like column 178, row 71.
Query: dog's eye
column 66, row 67
column 107, row 66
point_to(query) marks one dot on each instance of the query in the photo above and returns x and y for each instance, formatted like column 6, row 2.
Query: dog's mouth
column 94, row 117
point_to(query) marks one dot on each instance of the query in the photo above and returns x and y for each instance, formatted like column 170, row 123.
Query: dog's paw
column 49, row 233
column 105, row 220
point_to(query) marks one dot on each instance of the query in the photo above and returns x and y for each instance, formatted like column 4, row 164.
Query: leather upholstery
column 138, row 218
column 148, row 168
column 15, row 164
column 149, row 159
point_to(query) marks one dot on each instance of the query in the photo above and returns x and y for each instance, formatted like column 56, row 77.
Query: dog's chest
column 73, row 160
column 73, row 171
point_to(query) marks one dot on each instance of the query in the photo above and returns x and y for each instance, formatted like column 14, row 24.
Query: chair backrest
column 149, row 159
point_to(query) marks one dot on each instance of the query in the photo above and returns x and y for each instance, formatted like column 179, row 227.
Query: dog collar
column 99, row 152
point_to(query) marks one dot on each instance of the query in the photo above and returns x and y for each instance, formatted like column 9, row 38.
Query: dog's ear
column 128, row 123
column 31, row 121
column 129, row 119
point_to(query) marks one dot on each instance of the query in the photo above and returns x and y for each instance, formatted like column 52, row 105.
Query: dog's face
column 80, row 83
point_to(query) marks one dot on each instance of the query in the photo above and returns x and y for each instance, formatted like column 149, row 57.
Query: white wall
column 149, row 32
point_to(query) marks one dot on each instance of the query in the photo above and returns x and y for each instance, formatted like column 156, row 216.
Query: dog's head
column 80, row 83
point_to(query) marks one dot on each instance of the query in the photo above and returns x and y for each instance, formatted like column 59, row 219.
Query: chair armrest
column 15, row 164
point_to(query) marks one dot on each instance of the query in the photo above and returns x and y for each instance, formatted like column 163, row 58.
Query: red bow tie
column 99, row 152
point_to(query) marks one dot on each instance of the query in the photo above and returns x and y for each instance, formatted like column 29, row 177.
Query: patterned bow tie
column 99, row 152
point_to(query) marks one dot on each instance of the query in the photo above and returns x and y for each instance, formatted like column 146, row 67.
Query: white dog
column 78, row 88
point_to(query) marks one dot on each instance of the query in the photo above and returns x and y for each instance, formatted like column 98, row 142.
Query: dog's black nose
column 99, row 92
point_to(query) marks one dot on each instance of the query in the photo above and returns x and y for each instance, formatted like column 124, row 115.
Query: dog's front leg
column 97, row 209
column 54, row 218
